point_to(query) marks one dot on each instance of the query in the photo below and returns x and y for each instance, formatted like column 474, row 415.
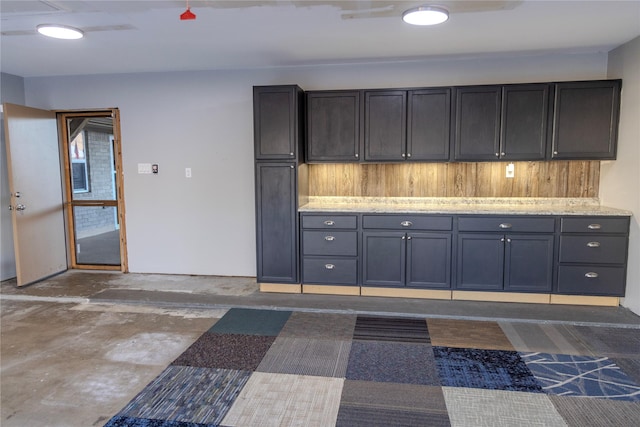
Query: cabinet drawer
column 507, row 224
column 341, row 243
column 349, row 222
column 407, row 222
column 595, row 225
column 333, row 271
column 589, row 280
column 593, row 249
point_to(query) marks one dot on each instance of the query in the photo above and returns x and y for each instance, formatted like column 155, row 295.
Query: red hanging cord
column 187, row 15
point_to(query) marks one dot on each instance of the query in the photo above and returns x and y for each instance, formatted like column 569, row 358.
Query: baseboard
column 405, row 293
column 585, row 300
column 501, row 297
column 330, row 290
column 286, row 288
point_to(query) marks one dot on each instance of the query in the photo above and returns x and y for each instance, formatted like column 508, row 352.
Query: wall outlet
column 187, row 172
column 144, row 168
column 511, row 170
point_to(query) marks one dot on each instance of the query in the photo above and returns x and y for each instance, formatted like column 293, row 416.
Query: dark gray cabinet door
column 428, row 124
column 585, row 120
column 384, row 258
column 276, row 223
column 429, row 260
column 333, row 126
column 480, row 261
column 385, row 130
column 524, row 122
column 477, row 123
column 529, row 263
column 275, row 122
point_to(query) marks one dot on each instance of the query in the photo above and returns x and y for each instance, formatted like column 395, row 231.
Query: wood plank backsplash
column 532, row 179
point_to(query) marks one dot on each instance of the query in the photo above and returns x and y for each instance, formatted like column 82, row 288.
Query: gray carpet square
column 612, row 342
column 395, row 329
column 244, row 321
column 319, row 326
column 392, row 362
column 580, row 412
column 325, row 358
column 545, row 338
column 366, row 403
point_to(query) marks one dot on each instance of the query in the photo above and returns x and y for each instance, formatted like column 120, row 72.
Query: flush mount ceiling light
column 60, row 31
column 425, row 15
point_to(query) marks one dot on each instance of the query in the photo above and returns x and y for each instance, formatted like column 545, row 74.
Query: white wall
column 620, row 180
column 203, row 120
column 11, row 91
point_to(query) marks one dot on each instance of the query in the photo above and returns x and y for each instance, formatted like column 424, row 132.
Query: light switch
column 144, row 167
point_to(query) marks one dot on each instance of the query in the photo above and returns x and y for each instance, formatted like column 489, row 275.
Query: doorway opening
column 94, row 196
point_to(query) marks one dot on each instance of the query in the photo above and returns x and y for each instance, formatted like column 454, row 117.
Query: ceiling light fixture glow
column 426, row 15
column 60, row 31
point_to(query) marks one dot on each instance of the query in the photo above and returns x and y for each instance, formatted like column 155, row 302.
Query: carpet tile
column 612, row 342
column 366, row 403
column 391, row 329
column 556, row 339
column 584, row 376
column 499, row 408
column 286, row 400
column 488, row 369
column 288, row 368
column 468, row 334
column 319, row 326
column 172, row 395
column 251, row 322
column 392, row 362
column 325, row 358
column 580, row 412
column 226, row 351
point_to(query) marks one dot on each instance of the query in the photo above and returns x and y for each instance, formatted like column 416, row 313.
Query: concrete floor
column 77, row 347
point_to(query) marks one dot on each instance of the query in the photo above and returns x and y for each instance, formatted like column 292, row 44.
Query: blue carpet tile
column 351, row 370
column 489, row 369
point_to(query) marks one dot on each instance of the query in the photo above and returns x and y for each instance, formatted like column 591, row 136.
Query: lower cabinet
column 505, row 262
column 406, row 259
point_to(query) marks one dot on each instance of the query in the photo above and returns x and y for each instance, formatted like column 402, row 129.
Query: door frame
column 69, row 203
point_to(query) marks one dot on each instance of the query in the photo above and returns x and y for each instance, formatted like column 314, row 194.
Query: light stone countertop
column 463, row 205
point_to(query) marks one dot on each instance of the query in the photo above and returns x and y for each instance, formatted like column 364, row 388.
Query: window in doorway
column 78, row 156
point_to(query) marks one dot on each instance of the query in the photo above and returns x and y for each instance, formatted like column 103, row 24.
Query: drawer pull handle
column 329, row 266
column 329, row 223
column 594, row 226
column 329, row 238
column 406, row 223
column 591, row 275
column 505, row 225
column 593, row 244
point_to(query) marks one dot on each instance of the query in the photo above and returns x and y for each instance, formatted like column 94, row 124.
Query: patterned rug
column 283, row 368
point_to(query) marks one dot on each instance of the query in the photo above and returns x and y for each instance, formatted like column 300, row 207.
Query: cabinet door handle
column 329, row 266
column 593, row 244
column 356, row 155
column 403, row 155
column 408, row 155
column 502, row 240
column 594, row 226
column 406, row 223
column 591, row 275
column 505, row 225
column 329, row 238
column 329, row 222
column 508, row 240
column 408, row 237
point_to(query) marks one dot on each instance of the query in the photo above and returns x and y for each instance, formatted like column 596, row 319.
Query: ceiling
column 147, row 35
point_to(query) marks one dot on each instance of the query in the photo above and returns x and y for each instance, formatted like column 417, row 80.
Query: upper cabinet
column 428, row 124
column 501, row 122
column 277, row 124
column 385, row 125
column 585, row 120
column 333, row 126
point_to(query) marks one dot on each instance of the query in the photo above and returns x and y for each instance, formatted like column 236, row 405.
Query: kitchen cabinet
column 276, row 122
column 329, row 249
column 585, row 120
column 385, row 125
column 593, row 255
column 406, row 251
column 278, row 112
column 501, row 122
column 276, row 222
column 333, row 126
column 505, row 254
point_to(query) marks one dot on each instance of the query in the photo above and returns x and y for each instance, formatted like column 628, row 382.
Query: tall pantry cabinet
column 278, row 148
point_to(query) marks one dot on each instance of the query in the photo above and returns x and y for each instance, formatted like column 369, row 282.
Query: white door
column 33, row 164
